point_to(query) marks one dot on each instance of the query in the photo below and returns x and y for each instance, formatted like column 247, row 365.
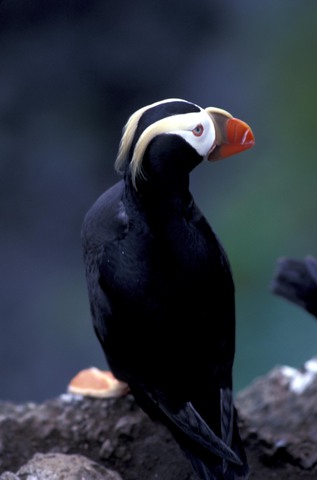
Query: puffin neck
column 159, row 201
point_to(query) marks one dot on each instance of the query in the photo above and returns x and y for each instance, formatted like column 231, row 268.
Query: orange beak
column 232, row 135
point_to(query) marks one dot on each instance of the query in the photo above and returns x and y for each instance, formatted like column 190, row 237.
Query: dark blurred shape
column 296, row 280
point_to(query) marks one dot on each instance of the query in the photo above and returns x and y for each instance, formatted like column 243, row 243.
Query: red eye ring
column 198, row 130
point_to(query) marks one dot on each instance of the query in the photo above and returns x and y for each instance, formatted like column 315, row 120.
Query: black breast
column 171, row 297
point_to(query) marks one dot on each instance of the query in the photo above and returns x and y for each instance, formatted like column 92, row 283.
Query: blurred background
column 71, row 72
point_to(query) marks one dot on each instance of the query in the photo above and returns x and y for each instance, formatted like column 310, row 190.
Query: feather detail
column 189, row 421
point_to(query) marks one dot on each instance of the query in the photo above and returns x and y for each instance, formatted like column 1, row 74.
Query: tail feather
column 188, row 420
column 226, row 419
column 210, row 467
column 211, row 457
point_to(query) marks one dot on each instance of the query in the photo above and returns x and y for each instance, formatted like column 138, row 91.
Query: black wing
column 105, row 224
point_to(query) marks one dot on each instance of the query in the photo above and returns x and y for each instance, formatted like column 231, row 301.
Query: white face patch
column 198, row 130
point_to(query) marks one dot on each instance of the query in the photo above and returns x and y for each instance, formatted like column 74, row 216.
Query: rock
column 278, row 414
column 114, row 439
column 115, row 433
column 9, row 476
column 57, row 466
column 296, row 281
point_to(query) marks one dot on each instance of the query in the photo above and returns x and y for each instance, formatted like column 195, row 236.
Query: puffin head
column 183, row 130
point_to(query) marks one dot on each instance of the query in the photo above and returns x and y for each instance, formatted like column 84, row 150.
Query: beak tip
column 249, row 138
column 240, row 136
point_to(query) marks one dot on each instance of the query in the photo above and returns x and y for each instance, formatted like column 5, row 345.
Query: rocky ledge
column 73, row 437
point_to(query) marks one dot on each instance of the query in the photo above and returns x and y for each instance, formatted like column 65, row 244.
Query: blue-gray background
column 71, row 72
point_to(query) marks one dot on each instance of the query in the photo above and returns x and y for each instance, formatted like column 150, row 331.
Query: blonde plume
column 129, row 133
column 165, row 125
column 127, row 139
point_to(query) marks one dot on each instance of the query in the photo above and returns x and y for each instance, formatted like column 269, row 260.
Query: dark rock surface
column 278, row 415
column 90, row 439
column 296, row 281
column 115, row 433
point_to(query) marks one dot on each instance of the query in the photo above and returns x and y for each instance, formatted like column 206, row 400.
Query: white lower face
column 197, row 129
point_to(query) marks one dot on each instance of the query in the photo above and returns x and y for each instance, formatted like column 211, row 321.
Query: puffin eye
column 198, row 130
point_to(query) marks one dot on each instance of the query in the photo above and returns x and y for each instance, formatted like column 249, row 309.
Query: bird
column 160, row 285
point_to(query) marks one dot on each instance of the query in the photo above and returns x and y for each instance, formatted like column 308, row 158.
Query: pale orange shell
column 97, row 383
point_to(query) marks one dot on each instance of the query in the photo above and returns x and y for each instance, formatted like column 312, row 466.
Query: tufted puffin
column 160, row 286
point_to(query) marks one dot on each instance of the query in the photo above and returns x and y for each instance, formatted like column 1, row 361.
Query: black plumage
column 159, row 282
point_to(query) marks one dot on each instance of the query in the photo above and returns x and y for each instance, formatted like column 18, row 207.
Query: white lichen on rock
column 300, row 380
